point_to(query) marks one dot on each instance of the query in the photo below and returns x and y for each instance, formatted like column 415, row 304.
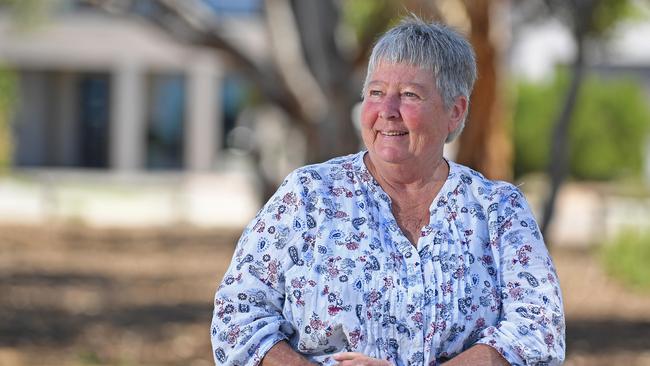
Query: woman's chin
column 391, row 155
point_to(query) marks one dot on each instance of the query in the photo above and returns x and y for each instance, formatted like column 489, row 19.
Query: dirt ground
column 76, row 296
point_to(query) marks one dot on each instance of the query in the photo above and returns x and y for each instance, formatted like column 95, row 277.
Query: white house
column 104, row 95
column 116, row 92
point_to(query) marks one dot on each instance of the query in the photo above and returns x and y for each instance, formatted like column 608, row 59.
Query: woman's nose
column 389, row 108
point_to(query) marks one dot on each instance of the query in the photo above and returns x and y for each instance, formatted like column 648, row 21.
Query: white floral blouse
column 325, row 267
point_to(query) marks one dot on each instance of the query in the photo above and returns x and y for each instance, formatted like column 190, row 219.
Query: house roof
column 97, row 41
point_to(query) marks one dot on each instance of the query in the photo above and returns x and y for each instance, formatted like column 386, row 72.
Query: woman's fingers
column 358, row 359
column 348, row 356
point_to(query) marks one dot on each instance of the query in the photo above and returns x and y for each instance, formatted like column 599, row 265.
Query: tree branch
column 288, row 56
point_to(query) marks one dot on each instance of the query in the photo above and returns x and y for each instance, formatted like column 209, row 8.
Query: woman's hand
column 358, row 359
column 478, row 355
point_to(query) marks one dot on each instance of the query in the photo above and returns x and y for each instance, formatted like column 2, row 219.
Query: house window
column 234, row 94
column 165, row 121
column 94, row 98
column 63, row 119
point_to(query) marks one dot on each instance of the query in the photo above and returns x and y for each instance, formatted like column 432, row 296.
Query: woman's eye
column 410, row 95
column 374, row 93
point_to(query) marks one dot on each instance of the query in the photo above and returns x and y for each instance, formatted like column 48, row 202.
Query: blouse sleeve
column 531, row 328
column 247, row 319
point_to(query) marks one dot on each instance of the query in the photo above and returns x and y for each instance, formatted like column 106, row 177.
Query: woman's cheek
column 368, row 115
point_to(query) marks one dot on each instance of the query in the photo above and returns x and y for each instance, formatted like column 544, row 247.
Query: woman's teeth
column 394, row 133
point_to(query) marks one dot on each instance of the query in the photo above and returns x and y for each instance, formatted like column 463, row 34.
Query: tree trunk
column 317, row 22
column 558, row 167
column 484, row 144
column 582, row 13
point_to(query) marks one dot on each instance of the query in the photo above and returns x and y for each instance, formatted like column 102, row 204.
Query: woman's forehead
column 403, row 73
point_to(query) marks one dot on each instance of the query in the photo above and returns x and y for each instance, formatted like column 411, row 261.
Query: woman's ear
column 457, row 112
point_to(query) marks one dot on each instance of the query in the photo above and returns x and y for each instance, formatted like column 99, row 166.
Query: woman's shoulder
column 328, row 171
column 481, row 188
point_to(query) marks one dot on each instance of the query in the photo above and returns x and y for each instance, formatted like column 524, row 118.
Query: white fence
column 108, row 200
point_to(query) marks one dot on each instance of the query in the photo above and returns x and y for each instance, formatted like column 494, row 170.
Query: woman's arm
column 248, row 317
column 531, row 327
column 478, row 355
column 283, row 355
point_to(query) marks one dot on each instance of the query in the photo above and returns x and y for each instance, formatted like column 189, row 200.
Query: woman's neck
column 405, row 178
column 411, row 190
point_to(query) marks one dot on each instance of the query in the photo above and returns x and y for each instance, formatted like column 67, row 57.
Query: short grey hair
column 430, row 46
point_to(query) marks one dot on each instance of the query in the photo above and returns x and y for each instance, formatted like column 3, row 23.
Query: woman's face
column 403, row 119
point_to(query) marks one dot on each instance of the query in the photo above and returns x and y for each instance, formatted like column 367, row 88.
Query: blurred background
column 138, row 137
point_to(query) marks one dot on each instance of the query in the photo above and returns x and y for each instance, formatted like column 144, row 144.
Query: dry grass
column 74, row 296
column 607, row 323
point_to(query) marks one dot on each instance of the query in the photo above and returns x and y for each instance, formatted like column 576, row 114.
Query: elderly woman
column 394, row 255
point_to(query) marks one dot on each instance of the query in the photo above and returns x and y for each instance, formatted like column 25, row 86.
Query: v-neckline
column 387, row 202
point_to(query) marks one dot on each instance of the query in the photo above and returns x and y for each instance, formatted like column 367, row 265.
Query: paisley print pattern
column 325, row 267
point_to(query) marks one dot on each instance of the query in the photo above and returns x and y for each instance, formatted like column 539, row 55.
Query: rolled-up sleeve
column 247, row 319
column 531, row 330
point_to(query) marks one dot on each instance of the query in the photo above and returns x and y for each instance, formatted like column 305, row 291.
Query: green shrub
column 7, row 100
column 627, row 258
column 607, row 135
